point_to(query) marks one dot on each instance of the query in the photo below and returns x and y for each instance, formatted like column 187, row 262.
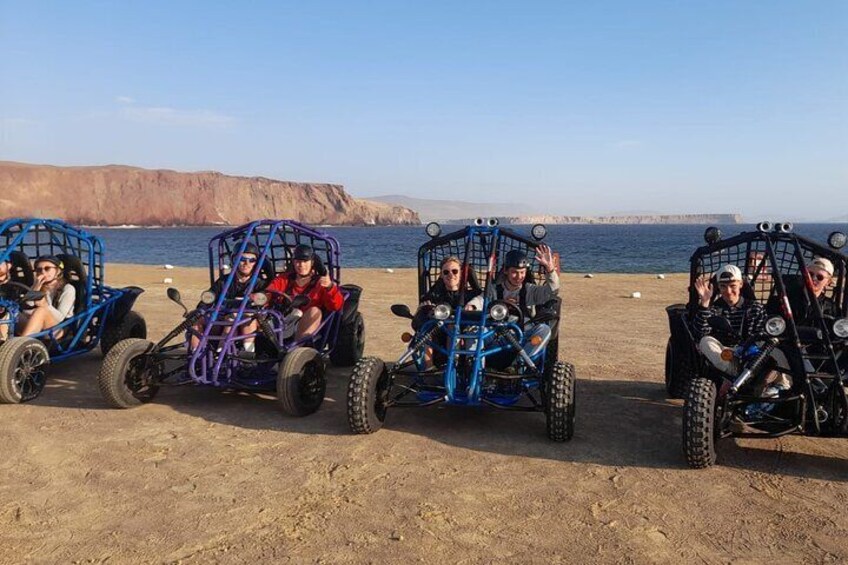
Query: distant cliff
column 719, row 219
column 118, row 195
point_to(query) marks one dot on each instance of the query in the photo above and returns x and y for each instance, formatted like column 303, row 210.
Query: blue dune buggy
column 211, row 349
column 102, row 314
column 490, row 356
column 806, row 330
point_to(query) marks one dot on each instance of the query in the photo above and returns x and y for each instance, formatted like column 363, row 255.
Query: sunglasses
column 247, row 260
column 44, row 269
column 819, row 276
column 447, row 272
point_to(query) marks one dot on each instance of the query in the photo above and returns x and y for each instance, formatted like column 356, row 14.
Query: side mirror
column 402, row 311
column 174, row 295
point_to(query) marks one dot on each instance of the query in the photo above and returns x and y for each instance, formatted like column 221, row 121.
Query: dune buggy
column 210, row 349
column 102, row 314
column 812, row 338
column 492, row 356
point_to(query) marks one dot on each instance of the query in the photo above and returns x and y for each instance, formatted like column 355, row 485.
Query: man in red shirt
column 324, row 295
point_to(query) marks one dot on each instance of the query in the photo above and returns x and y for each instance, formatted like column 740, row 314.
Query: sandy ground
column 203, row 476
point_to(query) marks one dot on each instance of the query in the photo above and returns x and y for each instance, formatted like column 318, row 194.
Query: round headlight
column 498, row 312
column 478, row 221
column 493, row 222
column 837, row 240
column 784, row 227
column 260, row 299
column 712, row 235
column 441, row 312
column 764, row 227
column 433, row 229
column 539, row 232
column 840, row 327
column 775, row 326
column 207, row 297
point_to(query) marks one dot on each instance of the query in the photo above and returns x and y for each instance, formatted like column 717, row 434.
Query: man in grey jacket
column 511, row 284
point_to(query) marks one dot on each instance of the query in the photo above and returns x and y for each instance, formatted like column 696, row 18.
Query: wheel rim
column 311, row 386
column 136, row 380
column 30, row 374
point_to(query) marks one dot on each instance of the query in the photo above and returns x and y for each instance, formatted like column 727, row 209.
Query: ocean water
column 582, row 248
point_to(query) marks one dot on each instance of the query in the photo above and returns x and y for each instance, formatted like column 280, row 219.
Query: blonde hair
column 450, row 259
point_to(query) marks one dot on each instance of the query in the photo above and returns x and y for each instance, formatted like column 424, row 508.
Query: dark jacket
column 747, row 318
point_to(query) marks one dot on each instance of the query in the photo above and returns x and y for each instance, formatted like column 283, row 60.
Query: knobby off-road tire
column 560, row 402
column 23, row 369
column 132, row 325
column 350, row 342
column 121, row 379
column 699, row 425
column 366, row 396
column 677, row 373
column 301, row 381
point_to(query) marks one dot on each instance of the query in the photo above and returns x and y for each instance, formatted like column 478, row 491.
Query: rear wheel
column 23, row 369
column 677, row 373
column 560, row 402
column 301, row 382
column 699, row 423
column 124, row 380
column 350, row 342
column 132, row 325
column 367, row 394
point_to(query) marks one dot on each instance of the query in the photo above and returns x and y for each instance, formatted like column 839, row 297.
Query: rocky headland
column 116, row 195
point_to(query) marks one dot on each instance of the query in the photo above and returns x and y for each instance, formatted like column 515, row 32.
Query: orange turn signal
column 406, row 337
column 727, row 355
column 535, row 340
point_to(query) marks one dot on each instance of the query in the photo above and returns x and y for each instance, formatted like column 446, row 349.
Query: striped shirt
column 747, row 318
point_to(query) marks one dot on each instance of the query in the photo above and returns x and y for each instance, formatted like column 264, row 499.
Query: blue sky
column 577, row 107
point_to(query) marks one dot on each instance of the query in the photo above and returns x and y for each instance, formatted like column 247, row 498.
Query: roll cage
column 215, row 360
column 23, row 240
column 472, row 338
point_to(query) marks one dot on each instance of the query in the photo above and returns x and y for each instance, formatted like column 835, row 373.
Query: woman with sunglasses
column 58, row 302
column 447, row 290
column 244, row 271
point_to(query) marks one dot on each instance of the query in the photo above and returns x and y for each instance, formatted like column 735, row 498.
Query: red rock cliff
column 118, row 195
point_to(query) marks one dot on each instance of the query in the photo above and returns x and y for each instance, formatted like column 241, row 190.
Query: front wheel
column 23, row 369
column 124, row 379
column 699, row 423
column 366, row 396
column 301, row 382
column 560, row 402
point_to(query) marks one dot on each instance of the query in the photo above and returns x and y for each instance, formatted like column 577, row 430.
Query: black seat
column 76, row 275
column 21, row 268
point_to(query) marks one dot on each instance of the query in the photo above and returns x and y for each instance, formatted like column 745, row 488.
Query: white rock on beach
column 636, row 295
column 390, row 270
column 588, row 276
column 168, row 267
column 661, row 277
column 167, row 280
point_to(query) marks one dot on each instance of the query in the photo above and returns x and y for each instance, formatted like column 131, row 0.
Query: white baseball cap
column 823, row 264
column 729, row 273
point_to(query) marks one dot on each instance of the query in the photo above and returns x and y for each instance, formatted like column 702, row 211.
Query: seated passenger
column 447, row 290
column 821, row 277
column 511, row 284
column 58, row 302
column 324, row 295
column 7, row 292
column 746, row 318
column 244, row 271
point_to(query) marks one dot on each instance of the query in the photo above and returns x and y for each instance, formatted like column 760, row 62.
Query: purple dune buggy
column 213, row 350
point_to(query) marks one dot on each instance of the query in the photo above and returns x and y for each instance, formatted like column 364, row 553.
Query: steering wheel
column 28, row 293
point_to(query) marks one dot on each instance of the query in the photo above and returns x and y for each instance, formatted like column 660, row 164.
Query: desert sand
column 204, row 476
